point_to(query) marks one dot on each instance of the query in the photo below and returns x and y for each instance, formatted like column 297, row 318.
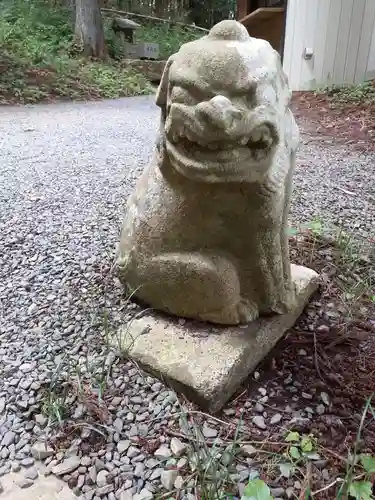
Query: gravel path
column 66, row 171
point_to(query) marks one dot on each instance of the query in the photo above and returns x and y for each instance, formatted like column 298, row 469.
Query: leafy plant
column 360, row 486
column 257, row 489
column 350, row 94
column 361, row 490
column 301, row 447
column 55, row 406
column 368, row 463
column 38, row 59
column 212, row 467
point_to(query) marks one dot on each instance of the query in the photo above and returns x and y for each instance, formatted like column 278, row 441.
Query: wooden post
column 242, row 9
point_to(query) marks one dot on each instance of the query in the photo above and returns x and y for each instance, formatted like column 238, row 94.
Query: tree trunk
column 89, row 33
column 160, row 8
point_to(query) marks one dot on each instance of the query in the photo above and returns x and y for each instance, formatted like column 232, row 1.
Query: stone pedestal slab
column 206, row 362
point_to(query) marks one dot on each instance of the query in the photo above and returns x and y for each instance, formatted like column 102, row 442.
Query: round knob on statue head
column 229, row 30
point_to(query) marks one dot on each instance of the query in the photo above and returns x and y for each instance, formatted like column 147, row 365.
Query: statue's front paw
column 243, row 312
column 285, row 304
column 247, row 311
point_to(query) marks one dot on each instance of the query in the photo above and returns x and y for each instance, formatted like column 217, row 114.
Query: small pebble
column 163, row 453
column 179, row 482
column 259, row 422
column 15, row 467
column 259, row 408
column 325, row 398
column 306, row 395
column 24, row 483
column 276, row 418
column 248, row 450
column 320, row 409
column 278, row 492
column 297, row 485
column 31, row 473
column 167, row 478
column 178, row 448
column 209, row 432
column 229, row 412
column 132, row 452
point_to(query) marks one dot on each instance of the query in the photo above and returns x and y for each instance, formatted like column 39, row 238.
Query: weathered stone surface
column 178, row 448
column 163, row 453
column 41, row 450
column 144, row 494
column 123, row 446
column 31, row 473
column 248, row 450
column 258, row 420
column 27, row 462
column 16, row 487
column 68, row 465
column 101, row 479
column 207, row 363
column 8, row 438
column 167, row 478
column 204, row 235
column 25, row 483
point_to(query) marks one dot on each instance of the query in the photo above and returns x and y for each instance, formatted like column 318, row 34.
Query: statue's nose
column 219, row 112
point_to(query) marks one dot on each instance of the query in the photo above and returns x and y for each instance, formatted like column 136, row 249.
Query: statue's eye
column 244, row 98
column 182, row 96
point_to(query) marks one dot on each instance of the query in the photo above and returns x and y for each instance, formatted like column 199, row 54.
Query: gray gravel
column 334, row 185
column 66, row 171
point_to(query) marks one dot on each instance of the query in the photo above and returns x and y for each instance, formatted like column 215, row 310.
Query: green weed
column 39, row 61
column 351, row 94
column 357, row 484
column 55, row 406
column 110, row 82
column 257, row 489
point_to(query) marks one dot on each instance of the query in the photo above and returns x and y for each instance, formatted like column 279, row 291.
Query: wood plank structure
column 321, row 42
column 264, row 19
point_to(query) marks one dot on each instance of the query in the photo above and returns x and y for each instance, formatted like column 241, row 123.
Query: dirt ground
column 352, row 124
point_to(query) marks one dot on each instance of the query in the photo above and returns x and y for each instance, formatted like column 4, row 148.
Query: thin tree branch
column 152, row 18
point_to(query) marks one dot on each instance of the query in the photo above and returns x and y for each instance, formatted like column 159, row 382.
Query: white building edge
column 329, row 42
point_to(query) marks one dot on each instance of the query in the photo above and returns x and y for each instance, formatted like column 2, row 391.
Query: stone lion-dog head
column 222, row 99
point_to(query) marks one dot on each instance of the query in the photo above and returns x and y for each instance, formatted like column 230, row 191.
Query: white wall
column 371, row 59
column 341, row 34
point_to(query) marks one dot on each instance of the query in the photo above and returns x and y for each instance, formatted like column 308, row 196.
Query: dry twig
column 153, row 18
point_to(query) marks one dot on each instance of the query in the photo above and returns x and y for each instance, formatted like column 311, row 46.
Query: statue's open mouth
column 202, row 147
column 219, row 150
column 216, row 160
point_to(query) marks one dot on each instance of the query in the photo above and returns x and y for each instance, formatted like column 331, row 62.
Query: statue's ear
column 162, row 92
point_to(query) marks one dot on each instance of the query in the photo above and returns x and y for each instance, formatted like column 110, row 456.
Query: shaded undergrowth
column 39, row 61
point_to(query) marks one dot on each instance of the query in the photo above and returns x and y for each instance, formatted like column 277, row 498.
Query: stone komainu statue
column 204, row 234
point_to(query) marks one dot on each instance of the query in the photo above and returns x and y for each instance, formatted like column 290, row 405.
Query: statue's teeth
column 189, row 136
column 256, row 136
column 201, row 143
